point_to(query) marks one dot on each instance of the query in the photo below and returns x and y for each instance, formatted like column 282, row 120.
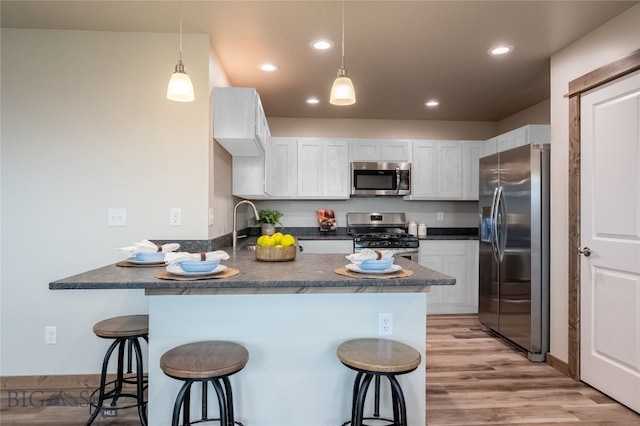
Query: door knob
column 586, row 251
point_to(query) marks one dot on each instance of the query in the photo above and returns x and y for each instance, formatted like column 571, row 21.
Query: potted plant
column 268, row 220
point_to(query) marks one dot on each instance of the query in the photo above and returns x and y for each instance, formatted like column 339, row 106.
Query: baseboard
column 559, row 365
column 77, row 381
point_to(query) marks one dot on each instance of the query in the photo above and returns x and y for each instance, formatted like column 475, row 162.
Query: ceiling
column 398, row 53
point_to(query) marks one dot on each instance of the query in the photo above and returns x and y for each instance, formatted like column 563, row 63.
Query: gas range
column 386, row 231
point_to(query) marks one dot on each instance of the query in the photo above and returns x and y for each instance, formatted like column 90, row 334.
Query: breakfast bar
column 291, row 316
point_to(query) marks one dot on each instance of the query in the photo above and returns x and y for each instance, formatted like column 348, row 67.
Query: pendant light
column 342, row 91
column 180, row 88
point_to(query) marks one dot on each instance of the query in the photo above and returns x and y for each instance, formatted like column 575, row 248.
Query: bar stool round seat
column 126, row 332
column 374, row 358
column 206, row 362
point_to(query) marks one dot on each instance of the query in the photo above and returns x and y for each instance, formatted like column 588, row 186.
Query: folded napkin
column 146, row 246
column 174, row 258
column 368, row 254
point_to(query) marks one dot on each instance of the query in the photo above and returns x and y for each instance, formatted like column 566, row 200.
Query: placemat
column 164, row 275
column 403, row 273
column 127, row 264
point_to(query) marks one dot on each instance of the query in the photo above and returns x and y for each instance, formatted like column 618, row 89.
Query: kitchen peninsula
column 291, row 316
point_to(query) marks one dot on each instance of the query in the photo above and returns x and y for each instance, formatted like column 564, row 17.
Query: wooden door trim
column 577, row 87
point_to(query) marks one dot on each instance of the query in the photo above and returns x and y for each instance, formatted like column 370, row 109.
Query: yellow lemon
column 277, row 237
column 265, row 241
column 287, row 240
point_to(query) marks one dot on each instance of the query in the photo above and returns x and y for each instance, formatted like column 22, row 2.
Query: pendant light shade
column 342, row 91
column 180, row 88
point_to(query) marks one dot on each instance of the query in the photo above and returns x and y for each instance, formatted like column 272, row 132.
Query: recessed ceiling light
column 268, row 67
column 432, row 103
column 500, row 50
column 321, row 44
column 313, row 101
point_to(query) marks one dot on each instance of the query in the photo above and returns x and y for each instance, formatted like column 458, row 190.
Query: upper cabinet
column 436, row 170
column 323, row 169
column 379, row 150
column 239, row 123
column 532, row 133
column 281, row 168
column 472, row 151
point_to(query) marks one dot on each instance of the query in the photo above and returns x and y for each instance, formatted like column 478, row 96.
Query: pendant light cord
column 181, row 8
column 342, row 33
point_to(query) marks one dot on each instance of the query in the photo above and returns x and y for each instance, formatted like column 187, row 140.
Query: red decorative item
column 327, row 221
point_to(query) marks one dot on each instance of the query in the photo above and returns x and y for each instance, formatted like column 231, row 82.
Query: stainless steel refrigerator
column 514, row 247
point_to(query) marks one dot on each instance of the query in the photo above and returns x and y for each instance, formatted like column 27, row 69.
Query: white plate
column 355, row 268
column 177, row 270
column 145, row 262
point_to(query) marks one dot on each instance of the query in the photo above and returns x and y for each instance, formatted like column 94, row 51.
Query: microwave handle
column 397, row 180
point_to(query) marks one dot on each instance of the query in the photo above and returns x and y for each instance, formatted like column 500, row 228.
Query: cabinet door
column 458, row 259
column 506, row 141
column 239, row 124
column 424, row 171
column 248, row 177
column 364, row 150
column 336, row 171
column 472, row 151
column 491, row 147
column 310, row 165
column 450, row 169
column 282, row 168
column 399, row 151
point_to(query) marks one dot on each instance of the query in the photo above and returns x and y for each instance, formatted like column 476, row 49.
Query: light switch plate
column 117, row 217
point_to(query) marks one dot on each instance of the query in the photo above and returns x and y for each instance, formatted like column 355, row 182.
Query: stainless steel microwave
column 371, row 179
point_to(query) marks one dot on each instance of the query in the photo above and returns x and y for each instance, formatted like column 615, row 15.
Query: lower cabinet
column 458, row 259
column 326, row 246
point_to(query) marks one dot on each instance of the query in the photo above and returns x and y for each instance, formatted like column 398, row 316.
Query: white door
column 610, row 228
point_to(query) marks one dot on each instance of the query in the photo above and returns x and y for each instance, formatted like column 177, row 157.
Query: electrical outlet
column 385, row 324
column 50, row 335
column 211, row 217
column 440, row 216
column 117, row 217
column 175, row 217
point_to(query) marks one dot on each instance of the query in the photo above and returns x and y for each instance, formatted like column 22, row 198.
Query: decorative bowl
column 150, row 256
column 199, row 265
column 276, row 254
column 376, row 265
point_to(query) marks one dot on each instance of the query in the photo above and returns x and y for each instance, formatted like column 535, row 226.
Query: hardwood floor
column 472, row 379
column 475, row 379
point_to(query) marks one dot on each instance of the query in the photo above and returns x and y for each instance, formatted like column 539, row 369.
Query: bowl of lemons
column 278, row 247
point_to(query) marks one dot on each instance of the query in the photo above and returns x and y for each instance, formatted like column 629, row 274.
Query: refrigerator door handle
column 501, row 225
column 493, row 238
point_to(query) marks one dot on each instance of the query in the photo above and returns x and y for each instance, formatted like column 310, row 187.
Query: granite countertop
column 308, row 273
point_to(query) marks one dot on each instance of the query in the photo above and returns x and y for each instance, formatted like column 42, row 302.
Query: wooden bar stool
column 373, row 358
column 125, row 330
column 205, row 362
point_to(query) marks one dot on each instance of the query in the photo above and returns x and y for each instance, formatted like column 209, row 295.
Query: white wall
column 86, row 126
column 615, row 39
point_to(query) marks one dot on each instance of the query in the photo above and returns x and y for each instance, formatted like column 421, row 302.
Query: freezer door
column 488, row 274
column 515, row 270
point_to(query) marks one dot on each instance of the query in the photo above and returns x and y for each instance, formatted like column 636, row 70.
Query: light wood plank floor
column 472, row 379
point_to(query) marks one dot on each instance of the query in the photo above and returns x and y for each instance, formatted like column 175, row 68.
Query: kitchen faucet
column 235, row 220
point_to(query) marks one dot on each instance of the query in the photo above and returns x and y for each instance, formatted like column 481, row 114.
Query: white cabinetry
column 323, row 169
column 379, row 150
column 436, row 170
column 239, row 123
column 532, row 133
column 248, row 177
column 458, row 259
column 327, row 246
column 472, row 151
column 281, row 164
